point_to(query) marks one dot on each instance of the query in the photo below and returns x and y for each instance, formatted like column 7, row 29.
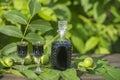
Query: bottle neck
column 62, row 25
column 62, row 33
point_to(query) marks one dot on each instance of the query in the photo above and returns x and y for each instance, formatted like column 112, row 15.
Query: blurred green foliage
column 94, row 25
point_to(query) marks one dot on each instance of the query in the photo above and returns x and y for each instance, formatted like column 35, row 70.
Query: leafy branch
column 34, row 7
column 26, row 28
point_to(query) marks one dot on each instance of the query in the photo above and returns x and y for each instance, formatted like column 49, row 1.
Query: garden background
column 93, row 24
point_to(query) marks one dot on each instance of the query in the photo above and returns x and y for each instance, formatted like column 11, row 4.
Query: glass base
column 22, row 68
column 38, row 69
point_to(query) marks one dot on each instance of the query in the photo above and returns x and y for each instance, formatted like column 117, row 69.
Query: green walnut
column 92, row 67
column 6, row 62
column 44, row 59
column 28, row 59
column 88, row 62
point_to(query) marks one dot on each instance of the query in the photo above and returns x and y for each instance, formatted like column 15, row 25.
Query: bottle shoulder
column 62, row 43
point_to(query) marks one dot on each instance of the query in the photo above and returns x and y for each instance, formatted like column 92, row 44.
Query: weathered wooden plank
column 113, row 59
column 12, row 77
column 91, row 77
column 115, row 64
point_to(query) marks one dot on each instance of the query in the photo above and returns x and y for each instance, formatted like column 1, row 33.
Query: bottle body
column 61, row 55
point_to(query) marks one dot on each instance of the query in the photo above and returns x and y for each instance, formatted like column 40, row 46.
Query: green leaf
column 86, row 5
column 95, row 12
column 78, row 43
column 101, row 18
column 29, row 74
column 15, row 58
column 9, row 49
column 107, row 77
column 113, row 72
column 11, row 31
column 31, row 66
column 99, row 15
column 105, row 2
column 100, row 70
column 102, row 50
column 16, row 72
column 33, row 37
column 18, row 67
column 82, row 31
column 112, row 34
column 86, row 20
column 103, row 42
column 50, row 75
column 40, row 25
column 70, row 74
column 44, row 1
column 48, row 14
column 16, row 16
column 114, row 11
column 91, row 43
column 34, row 7
column 62, row 13
column 20, row 4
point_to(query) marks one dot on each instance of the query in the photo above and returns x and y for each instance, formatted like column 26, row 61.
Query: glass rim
column 62, row 21
column 22, row 43
column 38, row 43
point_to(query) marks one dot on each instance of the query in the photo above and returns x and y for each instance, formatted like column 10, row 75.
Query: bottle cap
column 62, row 25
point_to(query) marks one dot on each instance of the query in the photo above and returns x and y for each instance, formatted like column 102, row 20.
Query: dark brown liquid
column 61, row 55
column 22, row 51
column 38, row 50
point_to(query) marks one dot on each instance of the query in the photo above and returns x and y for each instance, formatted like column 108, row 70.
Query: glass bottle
column 61, row 49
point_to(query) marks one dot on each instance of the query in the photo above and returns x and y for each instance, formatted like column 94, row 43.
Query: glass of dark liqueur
column 38, row 52
column 22, row 49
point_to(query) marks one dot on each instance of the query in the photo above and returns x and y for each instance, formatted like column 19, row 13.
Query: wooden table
column 113, row 59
